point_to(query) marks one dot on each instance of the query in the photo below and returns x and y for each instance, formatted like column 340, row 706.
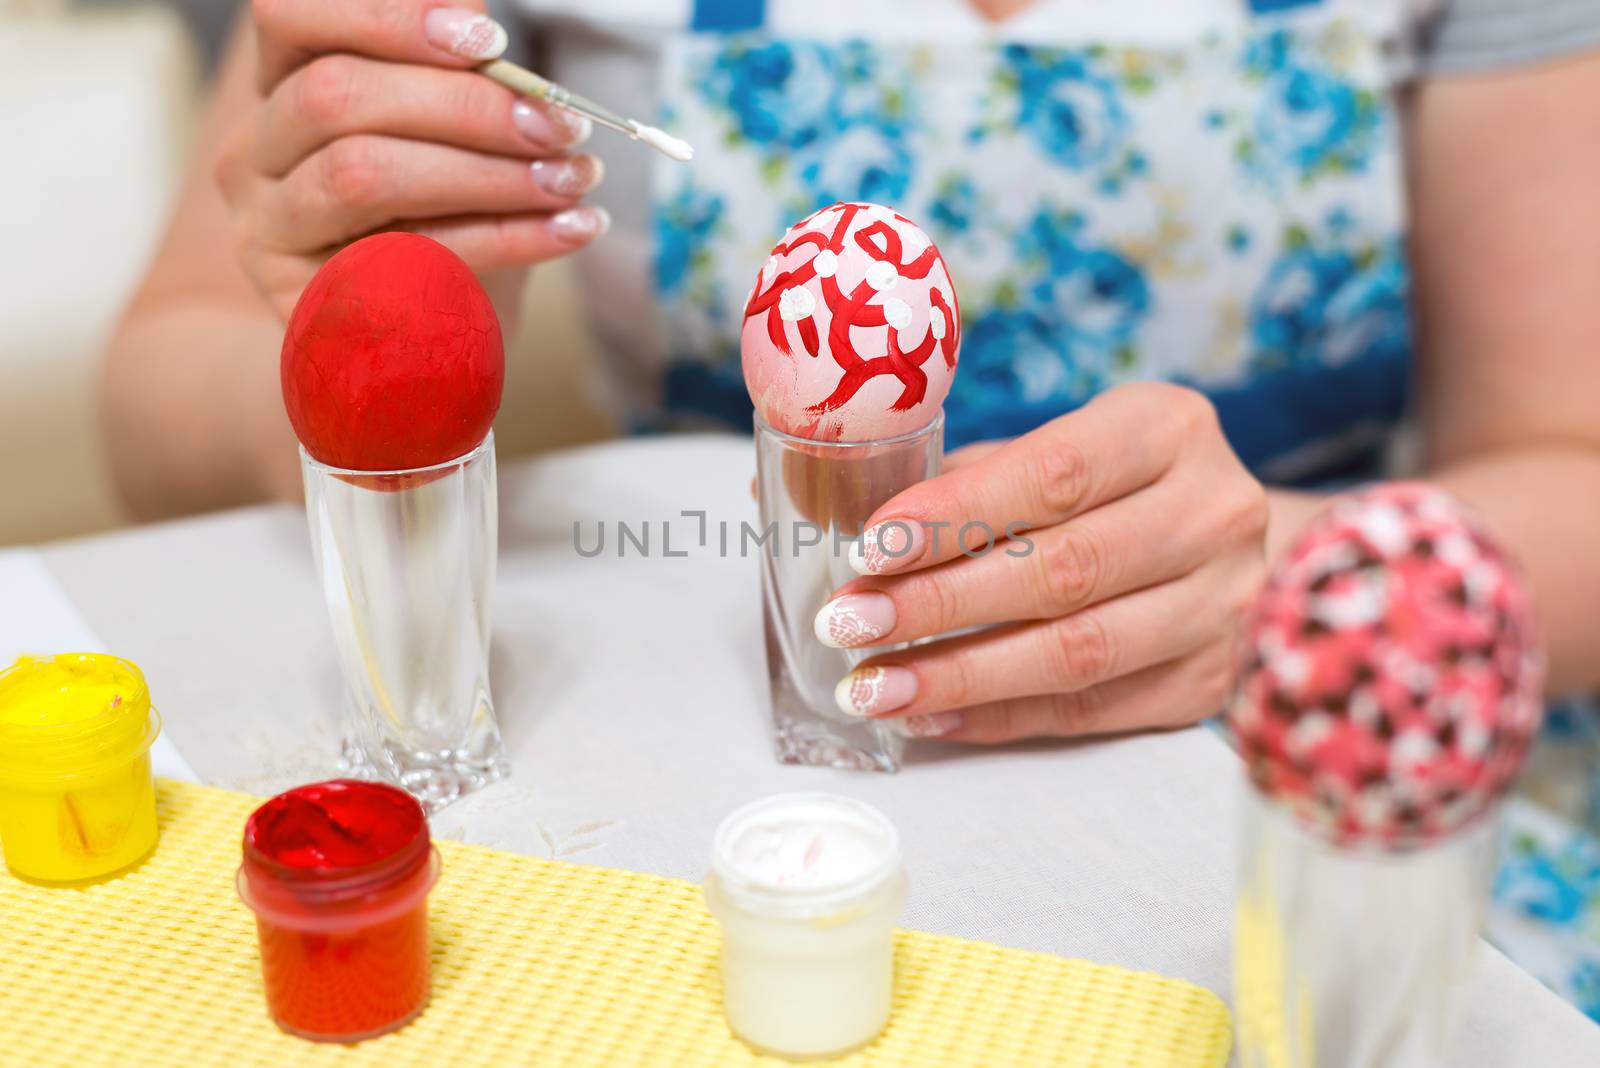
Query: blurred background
column 102, row 97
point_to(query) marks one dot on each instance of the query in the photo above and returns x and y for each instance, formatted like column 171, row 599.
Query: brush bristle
column 666, row 144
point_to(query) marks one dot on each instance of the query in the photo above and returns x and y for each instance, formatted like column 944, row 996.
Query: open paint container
column 77, row 801
column 338, row 875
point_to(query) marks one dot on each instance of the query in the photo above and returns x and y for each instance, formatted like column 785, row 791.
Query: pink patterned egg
column 1392, row 680
column 852, row 330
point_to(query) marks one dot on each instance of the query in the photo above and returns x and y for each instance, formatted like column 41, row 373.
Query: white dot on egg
column 1413, row 747
column 827, row 263
column 1385, row 527
column 897, row 312
column 936, row 323
column 772, row 266
column 796, row 303
column 881, row 275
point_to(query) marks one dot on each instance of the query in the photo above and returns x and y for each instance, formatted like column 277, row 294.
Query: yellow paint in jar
column 76, row 798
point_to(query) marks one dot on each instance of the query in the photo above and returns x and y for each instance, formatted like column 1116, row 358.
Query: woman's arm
column 1506, row 247
column 188, row 392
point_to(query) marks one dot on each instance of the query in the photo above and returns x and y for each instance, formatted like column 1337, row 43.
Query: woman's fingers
column 290, row 32
column 337, row 96
column 364, row 183
column 1115, row 549
column 1173, row 694
column 1120, row 442
column 968, row 454
column 1091, row 647
column 1121, row 539
column 379, row 127
column 366, row 130
column 493, row 244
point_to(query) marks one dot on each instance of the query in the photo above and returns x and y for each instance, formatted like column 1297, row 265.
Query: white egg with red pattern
column 853, row 330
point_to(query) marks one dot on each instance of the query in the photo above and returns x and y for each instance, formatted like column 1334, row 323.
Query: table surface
column 632, row 696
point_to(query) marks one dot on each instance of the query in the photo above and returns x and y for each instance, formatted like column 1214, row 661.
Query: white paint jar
column 807, row 888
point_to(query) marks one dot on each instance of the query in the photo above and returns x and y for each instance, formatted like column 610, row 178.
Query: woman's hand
column 370, row 120
column 1137, row 543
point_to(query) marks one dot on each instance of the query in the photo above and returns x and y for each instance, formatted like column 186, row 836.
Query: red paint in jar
column 338, row 875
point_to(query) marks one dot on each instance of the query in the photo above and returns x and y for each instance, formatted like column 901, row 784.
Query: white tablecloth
column 632, row 695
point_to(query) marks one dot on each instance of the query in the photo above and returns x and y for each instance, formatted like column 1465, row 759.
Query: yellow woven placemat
column 535, row 962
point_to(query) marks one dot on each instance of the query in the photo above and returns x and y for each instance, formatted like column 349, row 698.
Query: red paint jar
column 338, row 875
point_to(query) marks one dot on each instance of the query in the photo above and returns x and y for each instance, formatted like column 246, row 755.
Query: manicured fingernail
column 869, row 691
column 571, row 177
column 890, row 545
column 578, row 127
column 581, row 224
column 550, row 127
column 932, row 725
column 854, row 619
column 465, row 33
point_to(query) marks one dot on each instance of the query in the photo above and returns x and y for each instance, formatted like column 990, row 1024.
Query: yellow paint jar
column 76, row 798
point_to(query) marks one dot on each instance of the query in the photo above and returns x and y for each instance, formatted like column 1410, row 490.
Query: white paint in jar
column 807, row 888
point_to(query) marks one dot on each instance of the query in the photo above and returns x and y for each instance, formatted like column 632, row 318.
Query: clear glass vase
column 815, row 498
column 1353, row 956
column 407, row 560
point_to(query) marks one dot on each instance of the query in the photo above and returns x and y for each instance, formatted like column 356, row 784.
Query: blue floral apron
column 1226, row 214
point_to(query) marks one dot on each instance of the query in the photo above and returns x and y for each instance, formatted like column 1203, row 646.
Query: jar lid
column 333, row 845
column 68, row 714
column 804, row 854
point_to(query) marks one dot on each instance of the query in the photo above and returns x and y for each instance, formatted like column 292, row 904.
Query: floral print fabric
column 1227, row 215
column 1546, row 909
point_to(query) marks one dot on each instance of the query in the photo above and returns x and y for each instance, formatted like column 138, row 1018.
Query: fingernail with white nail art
column 886, row 547
column 581, row 224
column 552, row 127
column 853, row 620
column 871, row 691
column 568, row 177
column 932, row 725
column 578, row 127
column 465, row 33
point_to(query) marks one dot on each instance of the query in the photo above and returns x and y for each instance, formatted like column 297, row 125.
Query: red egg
column 393, row 358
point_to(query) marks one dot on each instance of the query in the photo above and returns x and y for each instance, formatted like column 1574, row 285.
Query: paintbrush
column 529, row 84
